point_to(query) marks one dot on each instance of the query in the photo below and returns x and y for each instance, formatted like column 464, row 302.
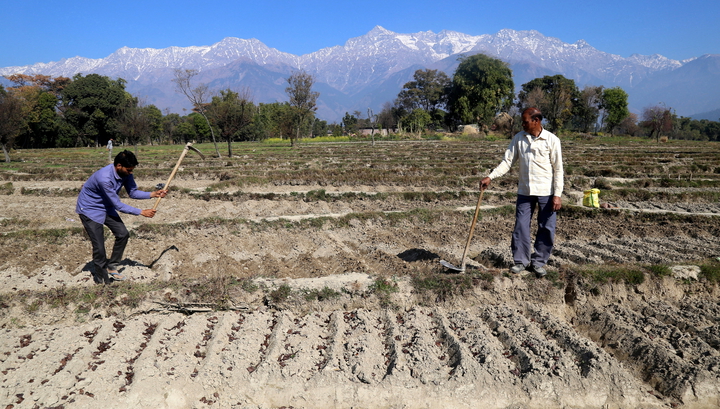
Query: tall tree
column 197, row 96
column 10, row 120
column 303, row 99
column 428, row 91
column 560, row 95
column 40, row 96
column 350, row 123
column 169, row 123
column 481, row 87
column 91, row 105
column 614, row 104
column 135, row 124
column 587, row 109
column 232, row 112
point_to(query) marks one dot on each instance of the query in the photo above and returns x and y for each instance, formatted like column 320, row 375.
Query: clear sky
column 35, row 31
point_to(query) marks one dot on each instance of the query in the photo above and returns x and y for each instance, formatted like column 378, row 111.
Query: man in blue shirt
column 98, row 204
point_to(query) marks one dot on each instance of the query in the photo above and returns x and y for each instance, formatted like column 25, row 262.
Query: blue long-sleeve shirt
column 99, row 198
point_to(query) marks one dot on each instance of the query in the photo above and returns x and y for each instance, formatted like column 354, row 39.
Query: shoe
column 539, row 271
column 517, row 269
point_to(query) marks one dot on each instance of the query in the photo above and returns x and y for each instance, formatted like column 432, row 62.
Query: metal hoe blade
column 450, row 266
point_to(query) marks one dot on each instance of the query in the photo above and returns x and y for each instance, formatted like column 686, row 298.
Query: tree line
column 482, row 87
column 39, row 111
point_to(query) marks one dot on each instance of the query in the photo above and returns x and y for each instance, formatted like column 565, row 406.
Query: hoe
column 467, row 245
column 188, row 147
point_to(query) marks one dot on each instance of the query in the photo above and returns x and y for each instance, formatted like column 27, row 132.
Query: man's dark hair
column 126, row 158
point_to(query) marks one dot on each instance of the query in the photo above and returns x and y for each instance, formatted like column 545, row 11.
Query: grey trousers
column 97, row 237
column 545, row 235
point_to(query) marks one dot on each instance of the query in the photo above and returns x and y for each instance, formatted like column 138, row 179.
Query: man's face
column 123, row 171
column 529, row 125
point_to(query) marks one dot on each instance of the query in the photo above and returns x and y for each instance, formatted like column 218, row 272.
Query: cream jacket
column 540, row 159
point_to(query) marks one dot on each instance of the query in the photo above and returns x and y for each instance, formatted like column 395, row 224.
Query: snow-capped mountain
column 371, row 69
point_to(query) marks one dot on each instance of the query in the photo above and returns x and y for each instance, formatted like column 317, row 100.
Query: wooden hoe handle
column 472, row 228
column 172, row 175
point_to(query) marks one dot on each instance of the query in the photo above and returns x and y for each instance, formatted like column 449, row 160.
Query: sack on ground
column 590, row 198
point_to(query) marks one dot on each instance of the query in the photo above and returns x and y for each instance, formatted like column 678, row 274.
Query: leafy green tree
column 185, row 130
column 614, row 104
column 198, row 96
column 587, row 108
column 337, row 129
column 91, row 105
column 554, row 95
column 155, row 117
column 482, row 87
column 303, row 100
column 40, row 98
column 203, row 130
column 428, row 91
column 270, row 120
column 320, row 127
column 416, row 121
column 232, row 112
column 350, row 124
column 168, row 125
column 10, row 120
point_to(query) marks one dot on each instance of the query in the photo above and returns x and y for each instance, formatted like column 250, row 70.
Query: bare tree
column 657, row 119
column 197, row 96
column 302, row 99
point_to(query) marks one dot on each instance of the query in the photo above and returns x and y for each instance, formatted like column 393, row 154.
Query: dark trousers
column 545, row 236
column 97, row 238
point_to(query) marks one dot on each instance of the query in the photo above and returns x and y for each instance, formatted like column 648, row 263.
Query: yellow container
column 590, row 198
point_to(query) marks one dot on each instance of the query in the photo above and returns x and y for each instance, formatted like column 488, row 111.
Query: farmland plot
column 310, row 278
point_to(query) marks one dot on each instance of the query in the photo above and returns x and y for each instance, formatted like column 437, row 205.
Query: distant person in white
column 109, row 148
column 540, row 185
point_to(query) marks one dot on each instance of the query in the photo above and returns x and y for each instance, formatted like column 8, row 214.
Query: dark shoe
column 539, row 271
column 102, row 278
column 517, row 269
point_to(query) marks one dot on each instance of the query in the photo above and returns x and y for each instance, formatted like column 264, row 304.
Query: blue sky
column 35, row 31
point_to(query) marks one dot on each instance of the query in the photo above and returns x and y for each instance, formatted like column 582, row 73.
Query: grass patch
column 53, row 236
column 711, row 271
column 443, row 287
column 326, row 293
column 218, row 292
column 383, row 287
column 7, row 188
column 614, row 273
column 280, row 294
column 660, row 270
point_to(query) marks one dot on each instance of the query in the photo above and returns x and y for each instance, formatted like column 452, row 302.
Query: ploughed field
column 309, row 277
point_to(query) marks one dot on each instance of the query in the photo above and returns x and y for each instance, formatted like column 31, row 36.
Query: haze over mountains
column 370, row 70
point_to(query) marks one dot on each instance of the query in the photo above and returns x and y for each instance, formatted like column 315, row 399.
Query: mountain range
column 369, row 70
